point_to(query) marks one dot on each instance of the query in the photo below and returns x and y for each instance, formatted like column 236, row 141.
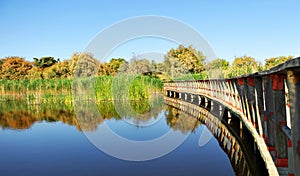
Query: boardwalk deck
column 266, row 103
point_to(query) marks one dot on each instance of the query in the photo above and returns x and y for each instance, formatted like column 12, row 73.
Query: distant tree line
column 177, row 63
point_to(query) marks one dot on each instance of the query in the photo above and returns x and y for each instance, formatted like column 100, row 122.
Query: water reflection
column 178, row 115
column 19, row 115
column 239, row 148
column 179, row 120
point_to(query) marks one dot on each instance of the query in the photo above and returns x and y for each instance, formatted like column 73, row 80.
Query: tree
column 218, row 64
column 1, row 63
column 160, row 67
column 153, row 66
column 112, row 67
column 187, row 56
column 175, row 68
column 115, row 65
column 58, row 70
column 274, row 61
column 84, row 65
column 35, row 73
column 15, row 68
column 243, row 65
column 104, row 69
column 217, row 68
column 138, row 66
column 45, row 62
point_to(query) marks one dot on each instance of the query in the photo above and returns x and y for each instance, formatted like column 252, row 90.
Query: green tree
column 217, row 68
column 274, row 61
column 116, row 64
column 243, row 65
column 58, row 70
column 175, row 68
column 35, row 73
column 45, row 62
column 137, row 66
column 187, row 56
column 112, row 67
column 160, row 67
column 104, row 69
column 218, row 64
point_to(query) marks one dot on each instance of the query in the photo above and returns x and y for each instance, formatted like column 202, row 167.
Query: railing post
column 236, row 96
column 293, row 82
column 269, row 116
column 259, row 105
column 240, row 89
column 280, row 119
column 251, row 100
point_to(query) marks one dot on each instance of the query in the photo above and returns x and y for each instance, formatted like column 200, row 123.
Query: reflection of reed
column 228, row 142
column 139, row 112
column 21, row 115
column 87, row 115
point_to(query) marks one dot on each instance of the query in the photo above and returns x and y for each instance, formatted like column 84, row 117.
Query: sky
column 258, row 28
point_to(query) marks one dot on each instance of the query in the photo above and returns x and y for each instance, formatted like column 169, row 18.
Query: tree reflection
column 87, row 115
column 16, row 119
column 179, row 120
column 20, row 115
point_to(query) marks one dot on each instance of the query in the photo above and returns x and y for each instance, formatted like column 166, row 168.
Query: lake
column 68, row 139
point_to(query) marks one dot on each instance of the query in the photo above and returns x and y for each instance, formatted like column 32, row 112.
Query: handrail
column 268, row 104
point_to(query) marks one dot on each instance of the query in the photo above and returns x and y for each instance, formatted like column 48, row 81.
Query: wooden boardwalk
column 267, row 103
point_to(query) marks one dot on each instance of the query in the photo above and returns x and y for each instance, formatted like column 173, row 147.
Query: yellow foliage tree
column 15, row 68
column 274, row 61
column 243, row 65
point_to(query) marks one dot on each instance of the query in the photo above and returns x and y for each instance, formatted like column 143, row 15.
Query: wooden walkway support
column 268, row 104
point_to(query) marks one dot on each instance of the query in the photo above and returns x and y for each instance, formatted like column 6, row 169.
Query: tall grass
column 104, row 88
column 35, row 91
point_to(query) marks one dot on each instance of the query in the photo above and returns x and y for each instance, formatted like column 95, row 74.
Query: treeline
column 177, row 63
column 221, row 68
column 17, row 68
column 184, row 60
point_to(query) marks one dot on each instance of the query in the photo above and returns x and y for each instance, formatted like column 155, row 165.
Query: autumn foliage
column 14, row 68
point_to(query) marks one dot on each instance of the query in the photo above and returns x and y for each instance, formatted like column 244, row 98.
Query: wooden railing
column 268, row 104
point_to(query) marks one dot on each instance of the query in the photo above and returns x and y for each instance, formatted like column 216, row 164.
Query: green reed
column 129, row 87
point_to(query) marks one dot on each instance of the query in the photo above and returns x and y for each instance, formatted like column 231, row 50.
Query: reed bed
column 124, row 87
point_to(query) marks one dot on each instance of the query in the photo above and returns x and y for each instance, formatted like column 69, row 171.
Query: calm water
column 48, row 139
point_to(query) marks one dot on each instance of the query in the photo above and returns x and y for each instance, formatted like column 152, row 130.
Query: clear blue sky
column 259, row 28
